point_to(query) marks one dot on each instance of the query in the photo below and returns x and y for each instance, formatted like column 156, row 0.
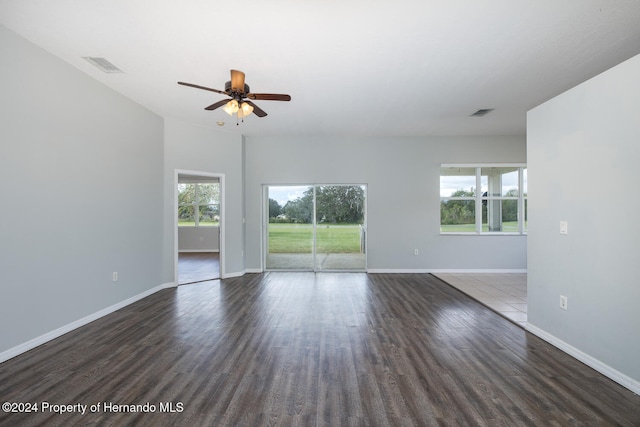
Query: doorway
column 199, row 225
column 194, row 267
column 315, row 227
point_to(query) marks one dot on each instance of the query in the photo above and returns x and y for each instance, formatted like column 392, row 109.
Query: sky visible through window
column 283, row 194
column 452, row 183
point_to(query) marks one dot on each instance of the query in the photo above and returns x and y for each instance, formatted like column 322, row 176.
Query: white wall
column 198, row 239
column 80, row 185
column 583, row 153
column 403, row 177
column 201, row 149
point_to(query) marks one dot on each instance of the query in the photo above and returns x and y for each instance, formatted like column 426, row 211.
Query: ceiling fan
column 240, row 95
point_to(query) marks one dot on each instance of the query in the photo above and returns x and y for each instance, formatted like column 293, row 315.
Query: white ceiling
column 352, row 67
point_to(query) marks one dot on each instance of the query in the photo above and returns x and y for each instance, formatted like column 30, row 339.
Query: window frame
column 479, row 198
column 197, row 204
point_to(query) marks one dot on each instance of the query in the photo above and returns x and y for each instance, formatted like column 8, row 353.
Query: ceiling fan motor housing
column 227, row 88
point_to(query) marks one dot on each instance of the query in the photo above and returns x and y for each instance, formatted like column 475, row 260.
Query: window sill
column 495, row 233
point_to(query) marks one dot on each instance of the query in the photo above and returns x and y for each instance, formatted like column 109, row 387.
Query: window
column 198, row 204
column 500, row 206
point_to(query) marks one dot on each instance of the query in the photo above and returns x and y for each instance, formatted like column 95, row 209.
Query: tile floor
column 505, row 293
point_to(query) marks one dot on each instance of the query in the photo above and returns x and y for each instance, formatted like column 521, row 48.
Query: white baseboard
column 418, row 271
column 590, row 361
column 234, row 274
column 447, row 271
column 396, row 270
column 481, row 271
column 24, row 347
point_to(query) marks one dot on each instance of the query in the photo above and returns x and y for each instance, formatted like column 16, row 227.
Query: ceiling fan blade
column 202, row 87
column 217, row 104
column 269, row 96
column 237, row 81
column 257, row 110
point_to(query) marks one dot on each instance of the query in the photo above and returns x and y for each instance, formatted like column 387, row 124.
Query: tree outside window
column 499, row 206
column 198, row 204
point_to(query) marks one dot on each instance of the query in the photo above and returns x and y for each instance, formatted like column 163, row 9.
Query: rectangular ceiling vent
column 481, row 113
column 103, row 64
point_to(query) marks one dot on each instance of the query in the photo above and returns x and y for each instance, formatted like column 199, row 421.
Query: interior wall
column 202, row 149
column 198, row 239
column 81, row 184
column 403, row 177
column 583, row 151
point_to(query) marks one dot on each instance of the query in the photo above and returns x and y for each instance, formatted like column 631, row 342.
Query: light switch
column 564, row 227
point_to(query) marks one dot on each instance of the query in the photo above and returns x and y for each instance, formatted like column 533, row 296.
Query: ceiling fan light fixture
column 246, row 109
column 231, row 107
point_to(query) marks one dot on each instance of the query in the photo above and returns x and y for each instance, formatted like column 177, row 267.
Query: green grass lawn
column 298, row 238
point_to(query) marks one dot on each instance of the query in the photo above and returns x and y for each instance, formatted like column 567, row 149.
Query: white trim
column 198, row 250
column 483, row 233
column 222, row 227
column 234, row 274
column 398, row 271
column 42, row 339
column 444, row 270
column 481, row 270
column 590, row 361
column 483, row 165
column 393, row 271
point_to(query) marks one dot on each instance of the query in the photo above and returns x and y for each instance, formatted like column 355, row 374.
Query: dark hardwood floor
column 311, row 349
column 198, row 266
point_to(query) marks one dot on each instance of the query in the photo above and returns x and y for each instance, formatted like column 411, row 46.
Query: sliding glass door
column 340, row 231
column 321, row 227
column 289, row 237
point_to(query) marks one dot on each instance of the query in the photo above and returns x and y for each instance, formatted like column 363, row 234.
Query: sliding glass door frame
column 358, row 264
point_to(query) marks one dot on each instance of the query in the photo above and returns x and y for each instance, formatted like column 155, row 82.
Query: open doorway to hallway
column 199, row 221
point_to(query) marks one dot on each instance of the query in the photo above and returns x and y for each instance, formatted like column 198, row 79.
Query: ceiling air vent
column 481, row 113
column 103, row 64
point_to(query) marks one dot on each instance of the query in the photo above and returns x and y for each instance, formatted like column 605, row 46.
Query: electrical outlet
column 415, row 252
column 563, row 302
column 115, row 276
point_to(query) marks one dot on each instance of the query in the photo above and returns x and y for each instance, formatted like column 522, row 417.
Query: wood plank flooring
column 198, row 267
column 311, row 349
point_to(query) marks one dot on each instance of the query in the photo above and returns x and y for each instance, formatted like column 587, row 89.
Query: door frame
column 265, row 226
column 222, row 227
